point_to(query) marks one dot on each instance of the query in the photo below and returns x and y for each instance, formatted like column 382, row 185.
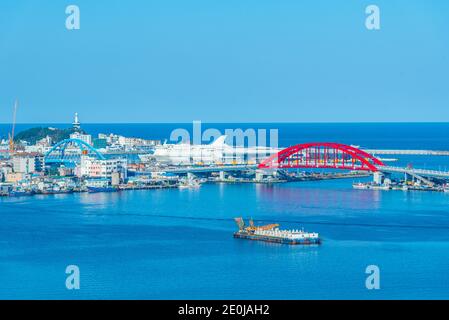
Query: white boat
column 360, row 186
column 365, row 186
column 189, row 185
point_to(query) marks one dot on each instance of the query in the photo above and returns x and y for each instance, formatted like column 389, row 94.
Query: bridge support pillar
column 378, row 177
column 222, row 175
column 259, row 175
column 190, row 176
column 408, row 177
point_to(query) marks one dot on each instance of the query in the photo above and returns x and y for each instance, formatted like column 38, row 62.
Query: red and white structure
column 322, row 155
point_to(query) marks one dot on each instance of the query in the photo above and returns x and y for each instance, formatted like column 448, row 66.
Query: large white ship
column 218, row 152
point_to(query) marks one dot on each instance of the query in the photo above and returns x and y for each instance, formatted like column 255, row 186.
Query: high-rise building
column 24, row 164
column 96, row 168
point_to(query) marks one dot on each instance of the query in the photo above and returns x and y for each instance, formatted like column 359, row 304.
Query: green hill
column 35, row 134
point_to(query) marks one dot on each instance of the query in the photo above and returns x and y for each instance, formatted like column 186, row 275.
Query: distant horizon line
column 236, row 122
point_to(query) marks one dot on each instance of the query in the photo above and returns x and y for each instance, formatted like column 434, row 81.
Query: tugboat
column 271, row 233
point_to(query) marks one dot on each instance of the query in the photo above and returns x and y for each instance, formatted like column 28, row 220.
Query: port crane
column 13, row 129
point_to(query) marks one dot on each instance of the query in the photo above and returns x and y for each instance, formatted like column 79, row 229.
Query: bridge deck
column 408, row 152
column 421, row 172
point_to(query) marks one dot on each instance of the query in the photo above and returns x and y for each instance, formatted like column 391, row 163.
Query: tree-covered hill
column 35, row 134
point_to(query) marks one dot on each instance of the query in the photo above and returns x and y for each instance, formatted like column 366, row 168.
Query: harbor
column 35, row 162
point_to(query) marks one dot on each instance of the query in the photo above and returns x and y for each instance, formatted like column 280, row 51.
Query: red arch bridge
column 323, row 155
column 329, row 155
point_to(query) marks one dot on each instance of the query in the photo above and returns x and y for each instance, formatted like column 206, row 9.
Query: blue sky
column 224, row 61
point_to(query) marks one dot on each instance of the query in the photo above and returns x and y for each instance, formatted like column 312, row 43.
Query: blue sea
column 178, row 244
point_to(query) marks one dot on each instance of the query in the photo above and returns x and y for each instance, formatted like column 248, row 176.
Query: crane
column 252, row 227
column 11, row 135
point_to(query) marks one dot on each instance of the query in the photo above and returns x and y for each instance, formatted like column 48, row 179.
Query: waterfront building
column 96, row 168
column 5, row 188
column 28, row 162
column 15, row 177
column 5, row 168
column 24, row 163
column 97, row 182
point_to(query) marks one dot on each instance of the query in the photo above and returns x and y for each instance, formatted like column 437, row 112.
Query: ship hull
column 101, row 189
column 20, row 193
column 306, row 241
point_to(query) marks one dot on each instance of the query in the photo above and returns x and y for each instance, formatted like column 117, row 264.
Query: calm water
column 178, row 243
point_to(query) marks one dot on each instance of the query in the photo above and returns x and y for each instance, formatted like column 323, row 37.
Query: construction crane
column 13, row 129
column 252, row 227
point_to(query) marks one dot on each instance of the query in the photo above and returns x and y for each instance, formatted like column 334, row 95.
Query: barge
column 271, row 233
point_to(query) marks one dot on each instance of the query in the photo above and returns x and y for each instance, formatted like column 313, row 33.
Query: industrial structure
column 271, row 233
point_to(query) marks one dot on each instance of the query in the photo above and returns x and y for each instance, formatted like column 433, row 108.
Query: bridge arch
column 326, row 155
column 58, row 153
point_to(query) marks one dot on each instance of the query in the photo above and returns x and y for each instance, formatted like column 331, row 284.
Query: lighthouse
column 76, row 123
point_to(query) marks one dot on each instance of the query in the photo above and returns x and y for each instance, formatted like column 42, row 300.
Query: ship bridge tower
column 76, row 123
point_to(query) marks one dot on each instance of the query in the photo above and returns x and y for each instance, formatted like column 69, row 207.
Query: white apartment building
column 24, row 164
column 95, row 168
column 87, row 138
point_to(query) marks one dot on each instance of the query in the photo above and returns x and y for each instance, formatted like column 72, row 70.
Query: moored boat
column 16, row 193
column 101, row 189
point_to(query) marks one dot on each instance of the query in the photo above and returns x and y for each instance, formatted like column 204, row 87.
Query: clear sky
column 225, row 61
